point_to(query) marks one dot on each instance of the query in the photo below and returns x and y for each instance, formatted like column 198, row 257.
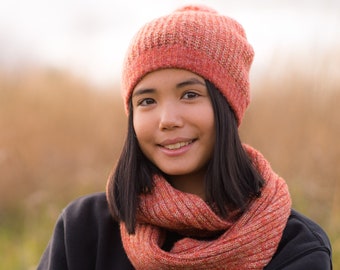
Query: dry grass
column 59, row 139
column 56, row 134
column 297, row 127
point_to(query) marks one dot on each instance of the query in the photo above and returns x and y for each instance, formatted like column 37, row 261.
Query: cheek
column 137, row 126
column 142, row 127
column 206, row 119
column 209, row 130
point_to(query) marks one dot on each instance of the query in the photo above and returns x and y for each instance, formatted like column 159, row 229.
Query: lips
column 176, row 144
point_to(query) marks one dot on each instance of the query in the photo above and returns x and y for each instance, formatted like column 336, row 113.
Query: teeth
column 176, row 145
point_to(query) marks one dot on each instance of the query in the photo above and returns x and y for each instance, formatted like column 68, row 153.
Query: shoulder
column 89, row 213
column 309, row 228
column 87, row 203
column 303, row 232
column 86, row 237
column 304, row 244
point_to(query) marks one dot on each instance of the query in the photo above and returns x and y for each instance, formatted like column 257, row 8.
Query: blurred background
column 62, row 122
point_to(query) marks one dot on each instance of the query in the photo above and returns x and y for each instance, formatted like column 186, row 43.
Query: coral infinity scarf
column 247, row 243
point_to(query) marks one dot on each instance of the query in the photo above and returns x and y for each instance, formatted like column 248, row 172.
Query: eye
column 190, row 95
column 145, row 102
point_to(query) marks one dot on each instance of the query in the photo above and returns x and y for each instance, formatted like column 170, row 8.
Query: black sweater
column 86, row 237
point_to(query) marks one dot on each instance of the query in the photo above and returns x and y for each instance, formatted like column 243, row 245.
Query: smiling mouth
column 178, row 145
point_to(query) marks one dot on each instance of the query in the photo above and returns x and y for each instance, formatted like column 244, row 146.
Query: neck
column 193, row 184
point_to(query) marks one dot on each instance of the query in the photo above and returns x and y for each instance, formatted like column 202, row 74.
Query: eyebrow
column 190, row 81
column 140, row 92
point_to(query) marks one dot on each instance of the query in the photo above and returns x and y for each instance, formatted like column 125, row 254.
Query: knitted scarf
column 246, row 243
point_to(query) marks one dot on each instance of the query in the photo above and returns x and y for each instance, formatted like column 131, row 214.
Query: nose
column 170, row 117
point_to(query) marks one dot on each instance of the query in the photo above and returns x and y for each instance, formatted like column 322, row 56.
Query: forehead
column 169, row 76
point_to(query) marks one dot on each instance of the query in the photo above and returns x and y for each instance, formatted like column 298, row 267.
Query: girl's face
column 174, row 123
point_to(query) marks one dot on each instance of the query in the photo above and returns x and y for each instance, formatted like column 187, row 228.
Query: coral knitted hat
column 198, row 39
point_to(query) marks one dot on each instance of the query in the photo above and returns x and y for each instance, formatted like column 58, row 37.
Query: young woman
column 186, row 193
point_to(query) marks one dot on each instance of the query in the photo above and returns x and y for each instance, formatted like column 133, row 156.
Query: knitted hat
column 198, row 39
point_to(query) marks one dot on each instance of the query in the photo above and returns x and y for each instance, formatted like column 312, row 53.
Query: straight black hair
column 231, row 180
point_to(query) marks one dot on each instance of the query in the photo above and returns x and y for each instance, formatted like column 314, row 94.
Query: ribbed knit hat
column 198, row 39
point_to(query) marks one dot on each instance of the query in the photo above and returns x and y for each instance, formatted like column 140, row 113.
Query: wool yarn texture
column 198, row 39
column 246, row 243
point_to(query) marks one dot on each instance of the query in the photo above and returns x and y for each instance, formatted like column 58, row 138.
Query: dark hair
column 231, row 179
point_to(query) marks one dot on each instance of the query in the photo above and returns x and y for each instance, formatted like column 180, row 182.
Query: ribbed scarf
column 247, row 243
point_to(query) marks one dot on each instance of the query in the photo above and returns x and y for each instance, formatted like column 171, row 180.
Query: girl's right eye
column 145, row 102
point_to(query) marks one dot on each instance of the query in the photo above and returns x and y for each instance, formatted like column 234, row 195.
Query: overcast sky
column 90, row 37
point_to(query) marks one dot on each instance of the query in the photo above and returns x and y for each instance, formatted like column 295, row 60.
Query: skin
column 174, row 123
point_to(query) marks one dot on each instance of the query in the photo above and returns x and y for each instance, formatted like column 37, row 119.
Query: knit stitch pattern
column 247, row 243
column 197, row 39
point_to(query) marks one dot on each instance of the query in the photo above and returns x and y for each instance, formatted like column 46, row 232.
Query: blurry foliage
column 60, row 137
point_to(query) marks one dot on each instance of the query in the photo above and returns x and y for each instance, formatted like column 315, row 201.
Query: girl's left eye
column 190, row 95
